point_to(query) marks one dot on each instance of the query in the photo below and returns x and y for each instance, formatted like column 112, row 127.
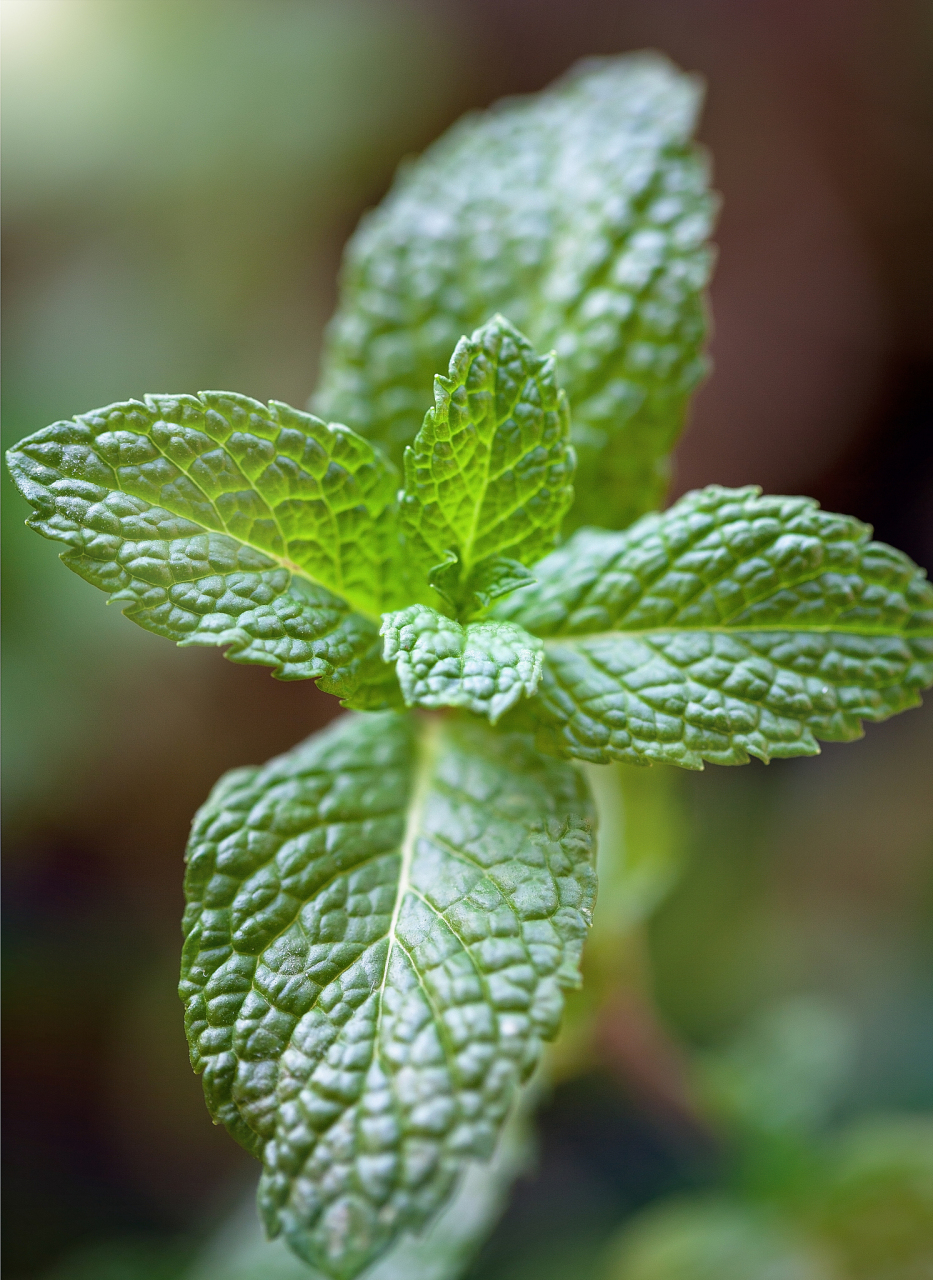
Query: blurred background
column 179, row 181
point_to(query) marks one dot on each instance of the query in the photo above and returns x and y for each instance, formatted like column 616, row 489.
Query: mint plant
column 382, row 923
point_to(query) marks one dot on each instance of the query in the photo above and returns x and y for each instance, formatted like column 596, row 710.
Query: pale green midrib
column 427, row 749
column 468, row 561
column 900, row 633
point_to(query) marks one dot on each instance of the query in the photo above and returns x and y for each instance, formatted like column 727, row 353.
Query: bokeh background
column 180, row 177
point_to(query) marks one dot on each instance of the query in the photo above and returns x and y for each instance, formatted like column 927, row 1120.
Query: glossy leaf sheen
column 489, row 475
column 217, row 520
column 581, row 214
column 380, row 926
column 483, row 667
column 731, row 625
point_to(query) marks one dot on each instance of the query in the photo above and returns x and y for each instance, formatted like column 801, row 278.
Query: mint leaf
column 488, row 581
column 488, row 477
column 582, row 214
column 484, row 667
column 442, row 1251
column 731, row 625
column 218, row 520
column 379, row 929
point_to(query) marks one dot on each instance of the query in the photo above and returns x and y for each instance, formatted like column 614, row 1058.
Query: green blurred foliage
column 178, row 181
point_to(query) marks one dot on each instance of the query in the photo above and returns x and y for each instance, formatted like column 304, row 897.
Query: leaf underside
column 730, row 625
column 488, row 478
column 216, row 520
column 582, row 214
column 380, row 926
column 484, row 667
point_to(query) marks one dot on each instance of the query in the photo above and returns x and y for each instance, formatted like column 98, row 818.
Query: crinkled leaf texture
column 488, row 478
column 731, row 625
column 582, row 214
column 380, row 926
column 483, row 667
column 442, row 1252
column 217, row 520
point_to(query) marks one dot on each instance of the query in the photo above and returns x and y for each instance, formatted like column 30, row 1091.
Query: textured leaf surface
column 219, row 520
column 489, row 476
column 582, row 215
column 379, row 928
column 483, row 667
column 731, row 625
column 441, row 1252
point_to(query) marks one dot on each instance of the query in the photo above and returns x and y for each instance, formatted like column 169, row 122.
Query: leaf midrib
column 483, row 488
column 427, row 746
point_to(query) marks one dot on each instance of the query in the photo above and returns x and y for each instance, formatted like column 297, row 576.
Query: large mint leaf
column 483, row 667
column 380, row 926
column 580, row 213
column 731, row 625
column 489, row 476
column 218, row 520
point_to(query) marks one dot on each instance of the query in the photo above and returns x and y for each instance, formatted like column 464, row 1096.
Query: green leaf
column 220, row 521
column 582, row 214
column 488, row 581
column 701, row 1236
column 441, row 1252
column 380, row 926
column 731, row 625
column 489, row 476
column 484, row 667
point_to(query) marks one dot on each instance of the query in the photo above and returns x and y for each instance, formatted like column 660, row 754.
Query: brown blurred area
column 179, row 182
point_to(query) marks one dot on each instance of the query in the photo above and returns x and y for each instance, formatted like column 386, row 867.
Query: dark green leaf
column 380, row 926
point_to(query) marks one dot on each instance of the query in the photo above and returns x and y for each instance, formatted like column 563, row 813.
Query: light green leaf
column 582, row 214
column 483, row 667
column 731, row 625
column 489, row 476
column 221, row 521
column 488, row 581
column 380, row 926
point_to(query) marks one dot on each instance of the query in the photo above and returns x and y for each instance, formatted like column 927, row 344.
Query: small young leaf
column 483, row 667
column 488, row 581
column 489, row 475
column 379, row 929
column 220, row 521
column 582, row 214
column 731, row 625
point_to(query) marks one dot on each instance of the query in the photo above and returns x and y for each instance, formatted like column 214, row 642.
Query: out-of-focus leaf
column 581, row 214
column 715, row 1240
